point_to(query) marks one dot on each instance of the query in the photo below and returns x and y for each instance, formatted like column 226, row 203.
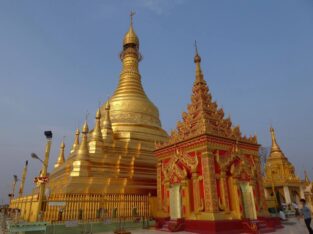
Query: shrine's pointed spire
column 131, row 37
column 276, row 152
column 81, row 161
column 197, row 60
column 107, row 132
column 130, row 79
column 275, row 146
column 61, row 158
column 96, row 141
column 83, row 151
column 76, row 141
column 96, row 134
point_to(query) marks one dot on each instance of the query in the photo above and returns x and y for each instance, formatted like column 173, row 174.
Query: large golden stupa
column 110, row 168
column 116, row 155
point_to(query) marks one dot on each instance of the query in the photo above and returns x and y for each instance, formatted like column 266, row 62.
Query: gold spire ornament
column 131, row 37
column 96, row 141
column 76, row 141
column 83, row 151
column 275, row 149
column 61, row 158
column 81, row 162
column 107, row 132
column 133, row 116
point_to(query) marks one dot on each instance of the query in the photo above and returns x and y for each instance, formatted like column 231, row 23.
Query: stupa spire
column 275, row 146
column 107, row 132
column 76, row 141
column 197, row 60
column 83, row 147
column 130, row 79
column 61, row 158
column 134, row 117
column 96, row 142
column 81, row 162
column 276, row 152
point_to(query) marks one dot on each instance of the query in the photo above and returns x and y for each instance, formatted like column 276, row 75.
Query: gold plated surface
column 113, row 163
column 210, row 162
column 281, row 183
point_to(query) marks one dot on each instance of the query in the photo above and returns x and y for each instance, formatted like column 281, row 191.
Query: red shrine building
column 208, row 173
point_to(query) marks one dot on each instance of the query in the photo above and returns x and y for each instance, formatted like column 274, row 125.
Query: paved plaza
column 292, row 226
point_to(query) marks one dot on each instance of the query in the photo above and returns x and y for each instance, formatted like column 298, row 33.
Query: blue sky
column 58, row 59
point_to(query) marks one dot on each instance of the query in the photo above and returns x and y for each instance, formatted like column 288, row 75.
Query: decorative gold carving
column 171, row 169
column 204, row 117
column 221, row 206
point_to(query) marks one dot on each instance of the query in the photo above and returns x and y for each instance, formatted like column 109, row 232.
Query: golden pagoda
column 111, row 170
column 281, row 182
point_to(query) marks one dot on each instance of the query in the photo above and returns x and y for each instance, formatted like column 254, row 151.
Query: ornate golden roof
column 203, row 115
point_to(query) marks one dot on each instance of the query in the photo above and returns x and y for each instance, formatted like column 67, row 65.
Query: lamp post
column 42, row 179
column 15, row 179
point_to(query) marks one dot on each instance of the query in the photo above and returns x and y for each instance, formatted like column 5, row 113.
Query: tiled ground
column 292, row 226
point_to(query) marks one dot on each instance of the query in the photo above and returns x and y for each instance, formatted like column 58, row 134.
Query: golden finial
column 131, row 37
column 96, row 143
column 107, row 132
column 107, row 105
column 85, row 128
column 197, row 60
column 76, row 140
column 132, row 13
column 61, row 158
column 98, row 114
column 197, row 56
column 62, row 143
column 196, row 47
column 275, row 146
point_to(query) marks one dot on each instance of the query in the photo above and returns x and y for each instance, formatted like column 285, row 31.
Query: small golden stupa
column 281, row 181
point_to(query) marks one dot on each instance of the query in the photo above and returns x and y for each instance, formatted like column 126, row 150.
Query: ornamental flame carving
column 173, row 171
column 203, row 116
